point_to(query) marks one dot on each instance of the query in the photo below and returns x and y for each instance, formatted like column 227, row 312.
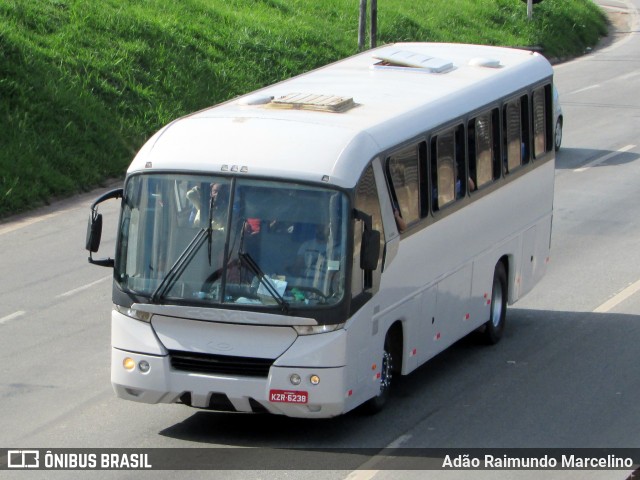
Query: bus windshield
column 188, row 239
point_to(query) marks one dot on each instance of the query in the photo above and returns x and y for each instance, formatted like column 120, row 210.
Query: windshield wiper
column 180, row 264
column 271, row 288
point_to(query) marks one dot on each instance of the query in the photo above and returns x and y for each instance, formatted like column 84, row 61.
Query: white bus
column 295, row 250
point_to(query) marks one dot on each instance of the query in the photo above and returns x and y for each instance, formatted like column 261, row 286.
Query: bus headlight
column 135, row 314
column 314, row 379
column 315, row 329
column 295, row 379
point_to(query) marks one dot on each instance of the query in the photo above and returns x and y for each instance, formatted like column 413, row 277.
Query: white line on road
column 628, row 76
column 367, row 472
column 13, row 316
column 84, row 287
column 580, row 90
column 362, row 475
column 604, row 158
column 618, row 298
column 11, row 227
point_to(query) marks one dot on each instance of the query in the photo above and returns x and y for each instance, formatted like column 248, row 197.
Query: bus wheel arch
column 390, row 367
column 494, row 328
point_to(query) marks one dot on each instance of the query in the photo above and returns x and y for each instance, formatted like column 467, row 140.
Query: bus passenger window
column 367, row 201
column 403, row 175
column 539, row 123
column 514, row 143
column 461, row 186
column 482, row 150
column 447, row 168
column 524, row 129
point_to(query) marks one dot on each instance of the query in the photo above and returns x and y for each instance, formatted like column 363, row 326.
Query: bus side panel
column 367, row 330
column 364, row 343
column 532, row 259
column 423, row 342
column 528, row 260
column 481, row 284
column 453, row 300
column 535, row 255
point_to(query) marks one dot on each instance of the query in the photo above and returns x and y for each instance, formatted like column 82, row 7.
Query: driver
column 313, row 256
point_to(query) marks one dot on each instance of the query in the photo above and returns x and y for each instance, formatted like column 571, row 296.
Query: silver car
column 557, row 119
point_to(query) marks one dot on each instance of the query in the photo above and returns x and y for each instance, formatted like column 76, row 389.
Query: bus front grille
column 220, row 364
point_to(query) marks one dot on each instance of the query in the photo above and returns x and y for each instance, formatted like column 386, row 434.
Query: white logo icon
column 23, row 459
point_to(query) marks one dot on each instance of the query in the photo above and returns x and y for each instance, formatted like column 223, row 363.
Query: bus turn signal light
column 129, row 364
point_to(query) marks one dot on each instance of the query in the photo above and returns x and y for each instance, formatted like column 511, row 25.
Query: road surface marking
column 604, row 158
column 618, row 298
column 629, row 75
column 13, row 226
column 13, row 316
column 580, row 90
column 366, row 472
column 84, row 287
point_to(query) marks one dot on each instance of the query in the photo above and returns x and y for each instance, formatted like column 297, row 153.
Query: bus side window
column 367, row 201
column 462, row 179
column 448, row 178
column 540, row 134
column 403, row 175
column 516, row 129
column 484, row 161
column 514, row 143
column 524, row 128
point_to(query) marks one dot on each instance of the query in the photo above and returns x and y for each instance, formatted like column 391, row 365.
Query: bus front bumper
column 151, row 379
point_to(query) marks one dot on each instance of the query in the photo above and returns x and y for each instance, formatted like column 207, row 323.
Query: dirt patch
column 618, row 26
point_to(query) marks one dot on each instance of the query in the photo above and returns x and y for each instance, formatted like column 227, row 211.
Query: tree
column 362, row 24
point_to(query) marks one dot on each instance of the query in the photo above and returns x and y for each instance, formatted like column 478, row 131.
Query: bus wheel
column 377, row 403
column 495, row 325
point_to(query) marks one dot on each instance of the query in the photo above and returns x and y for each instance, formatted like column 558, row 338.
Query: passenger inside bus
column 400, row 223
column 218, row 201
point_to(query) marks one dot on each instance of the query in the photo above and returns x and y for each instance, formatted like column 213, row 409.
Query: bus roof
column 327, row 124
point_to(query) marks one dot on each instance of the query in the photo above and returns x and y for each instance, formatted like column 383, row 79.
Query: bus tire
column 494, row 328
column 377, row 403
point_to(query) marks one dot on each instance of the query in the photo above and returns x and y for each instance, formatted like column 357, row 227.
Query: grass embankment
column 84, row 83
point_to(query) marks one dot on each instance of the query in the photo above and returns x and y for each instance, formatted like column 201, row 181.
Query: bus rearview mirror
column 94, row 232
column 94, row 228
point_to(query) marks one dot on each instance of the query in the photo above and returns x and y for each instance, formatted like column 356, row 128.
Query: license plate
column 288, row 396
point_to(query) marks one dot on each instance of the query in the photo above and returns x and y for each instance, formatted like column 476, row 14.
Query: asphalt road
column 565, row 375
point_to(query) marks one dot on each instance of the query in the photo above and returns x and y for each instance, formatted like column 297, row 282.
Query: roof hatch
column 315, row 102
column 485, row 62
column 407, row 59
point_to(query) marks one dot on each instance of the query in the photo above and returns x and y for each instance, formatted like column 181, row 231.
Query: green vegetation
column 84, row 83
